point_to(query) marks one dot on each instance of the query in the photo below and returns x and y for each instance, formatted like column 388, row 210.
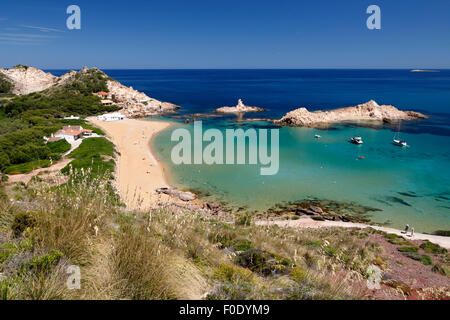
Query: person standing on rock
column 406, row 228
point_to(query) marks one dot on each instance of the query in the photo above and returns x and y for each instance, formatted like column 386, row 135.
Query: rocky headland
column 134, row 104
column 369, row 111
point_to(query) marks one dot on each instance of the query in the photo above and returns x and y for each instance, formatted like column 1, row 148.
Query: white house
column 115, row 116
column 72, row 117
column 72, row 133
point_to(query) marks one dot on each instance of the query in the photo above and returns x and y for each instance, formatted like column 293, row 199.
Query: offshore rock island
column 369, row 111
column 239, row 108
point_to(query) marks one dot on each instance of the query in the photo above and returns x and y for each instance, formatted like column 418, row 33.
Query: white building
column 115, row 116
column 72, row 133
column 72, row 117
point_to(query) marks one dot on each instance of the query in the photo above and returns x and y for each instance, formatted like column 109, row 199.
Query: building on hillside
column 115, row 116
column 72, row 117
column 52, row 139
column 107, row 102
column 103, row 94
column 72, row 133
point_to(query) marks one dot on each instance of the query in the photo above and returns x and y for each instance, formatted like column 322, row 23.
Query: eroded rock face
column 239, row 108
column 136, row 104
column 28, row 79
column 369, row 111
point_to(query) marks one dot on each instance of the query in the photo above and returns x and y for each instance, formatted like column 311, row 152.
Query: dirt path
column 306, row 222
column 49, row 172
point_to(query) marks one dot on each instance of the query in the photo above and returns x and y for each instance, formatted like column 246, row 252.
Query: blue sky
column 226, row 34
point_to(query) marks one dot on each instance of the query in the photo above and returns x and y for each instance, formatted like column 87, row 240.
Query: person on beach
column 412, row 232
column 406, row 228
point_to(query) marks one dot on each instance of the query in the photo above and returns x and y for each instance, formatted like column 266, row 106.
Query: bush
column 59, row 146
column 408, row 249
column 426, row 260
column 263, row 262
column 430, row 247
column 41, row 264
column 21, row 222
column 242, row 245
column 234, row 274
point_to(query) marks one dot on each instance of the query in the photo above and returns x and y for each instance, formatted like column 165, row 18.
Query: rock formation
column 27, row 80
column 239, row 108
column 134, row 104
column 369, row 111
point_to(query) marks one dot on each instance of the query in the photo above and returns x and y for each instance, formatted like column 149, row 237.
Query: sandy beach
column 138, row 173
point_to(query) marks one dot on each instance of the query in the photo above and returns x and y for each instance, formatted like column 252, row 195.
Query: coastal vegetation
column 26, row 119
column 173, row 253
column 5, row 85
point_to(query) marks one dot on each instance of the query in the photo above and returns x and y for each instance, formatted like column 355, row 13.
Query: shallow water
column 410, row 185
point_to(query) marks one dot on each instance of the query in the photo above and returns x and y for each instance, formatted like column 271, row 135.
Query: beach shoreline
column 138, row 172
column 137, row 180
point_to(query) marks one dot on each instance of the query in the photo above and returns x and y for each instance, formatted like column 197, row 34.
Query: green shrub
column 41, row 264
column 21, row 222
column 242, row 244
column 331, row 251
column 430, row 247
column 229, row 273
column 426, row 260
column 408, row 249
column 59, row 146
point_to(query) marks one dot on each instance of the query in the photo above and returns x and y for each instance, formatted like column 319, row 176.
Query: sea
column 397, row 185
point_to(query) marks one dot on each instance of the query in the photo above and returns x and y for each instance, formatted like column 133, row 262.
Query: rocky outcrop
column 27, row 80
column 239, row 108
column 136, row 104
column 369, row 111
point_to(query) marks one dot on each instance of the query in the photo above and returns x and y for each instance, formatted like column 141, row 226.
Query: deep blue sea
column 409, row 185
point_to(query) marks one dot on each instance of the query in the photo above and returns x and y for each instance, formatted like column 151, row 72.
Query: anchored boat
column 396, row 140
column 356, row 140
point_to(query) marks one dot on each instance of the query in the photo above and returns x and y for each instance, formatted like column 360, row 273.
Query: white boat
column 400, row 143
column 356, row 140
column 317, row 136
column 396, row 139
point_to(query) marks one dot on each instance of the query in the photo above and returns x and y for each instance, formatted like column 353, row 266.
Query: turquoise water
column 410, row 185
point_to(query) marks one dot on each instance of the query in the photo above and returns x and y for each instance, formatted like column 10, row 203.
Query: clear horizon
column 227, row 35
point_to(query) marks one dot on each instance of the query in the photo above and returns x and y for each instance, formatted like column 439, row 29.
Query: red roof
column 73, row 131
column 102, row 93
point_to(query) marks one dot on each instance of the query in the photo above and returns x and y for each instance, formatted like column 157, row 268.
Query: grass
column 27, row 167
column 429, row 247
column 162, row 253
column 59, row 146
column 92, row 153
